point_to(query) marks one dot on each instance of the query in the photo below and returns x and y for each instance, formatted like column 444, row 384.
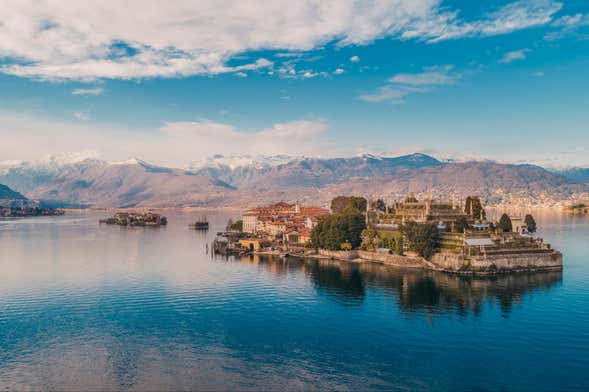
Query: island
column 442, row 235
column 149, row 219
column 577, row 209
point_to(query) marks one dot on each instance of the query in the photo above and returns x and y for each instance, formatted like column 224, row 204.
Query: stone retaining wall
column 392, row 259
column 452, row 262
column 498, row 263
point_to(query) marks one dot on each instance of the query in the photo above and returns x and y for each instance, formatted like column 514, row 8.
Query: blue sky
column 503, row 80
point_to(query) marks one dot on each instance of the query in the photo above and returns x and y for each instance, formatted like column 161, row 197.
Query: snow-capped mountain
column 233, row 162
column 247, row 180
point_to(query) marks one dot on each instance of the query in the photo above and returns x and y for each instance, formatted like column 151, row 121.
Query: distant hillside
column 245, row 181
column 496, row 183
column 127, row 184
column 8, row 194
column 10, row 198
column 576, row 174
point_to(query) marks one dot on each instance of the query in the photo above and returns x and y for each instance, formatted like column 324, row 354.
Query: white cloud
column 207, row 137
column 404, row 84
column 354, row 59
column 70, row 39
column 88, row 91
column 568, row 25
column 27, row 137
column 538, row 74
column 431, row 76
column 338, row 71
column 392, row 94
column 518, row 15
column 515, row 55
column 569, row 20
column 82, row 116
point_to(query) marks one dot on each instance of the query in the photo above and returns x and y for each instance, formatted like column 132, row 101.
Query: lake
column 94, row 307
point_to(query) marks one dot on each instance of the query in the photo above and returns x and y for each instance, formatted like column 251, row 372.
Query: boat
column 200, row 224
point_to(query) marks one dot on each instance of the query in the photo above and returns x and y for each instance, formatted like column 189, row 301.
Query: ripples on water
column 92, row 307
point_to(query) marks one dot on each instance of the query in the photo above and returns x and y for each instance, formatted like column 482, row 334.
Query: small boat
column 201, row 224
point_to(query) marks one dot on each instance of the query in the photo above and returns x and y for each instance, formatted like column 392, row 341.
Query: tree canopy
column 460, row 225
column 333, row 231
column 381, row 205
column 343, row 203
column 423, row 238
column 505, row 223
column 474, row 208
column 234, row 226
column 530, row 223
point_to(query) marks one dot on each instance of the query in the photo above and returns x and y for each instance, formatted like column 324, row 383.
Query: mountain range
column 250, row 180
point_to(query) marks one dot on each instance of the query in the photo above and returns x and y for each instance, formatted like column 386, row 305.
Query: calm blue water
column 92, row 307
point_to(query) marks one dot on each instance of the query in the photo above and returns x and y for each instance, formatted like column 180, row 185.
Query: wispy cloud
column 518, row 15
column 88, row 91
column 94, row 39
column 569, row 25
column 515, row 55
column 431, row 76
column 354, row 59
column 401, row 85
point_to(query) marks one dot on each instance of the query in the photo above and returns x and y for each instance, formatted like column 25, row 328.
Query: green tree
column 370, row 239
column 345, row 203
column 460, row 225
column 334, row 230
column 423, row 238
column 505, row 223
column 530, row 223
column 235, row 226
column 399, row 246
column 381, row 205
column 474, row 208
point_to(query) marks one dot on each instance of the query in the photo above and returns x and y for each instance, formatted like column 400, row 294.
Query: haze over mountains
column 241, row 181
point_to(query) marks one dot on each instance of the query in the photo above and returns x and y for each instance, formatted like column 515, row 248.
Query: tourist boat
column 201, row 224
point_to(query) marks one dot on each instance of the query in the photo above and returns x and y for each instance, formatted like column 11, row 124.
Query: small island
column 149, row 219
column 577, row 209
column 439, row 235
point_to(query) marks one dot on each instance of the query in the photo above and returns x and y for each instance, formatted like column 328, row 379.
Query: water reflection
column 414, row 290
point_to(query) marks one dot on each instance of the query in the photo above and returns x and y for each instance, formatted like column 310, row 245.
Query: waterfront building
column 277, row 219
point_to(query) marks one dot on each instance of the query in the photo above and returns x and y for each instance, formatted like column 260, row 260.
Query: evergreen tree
column 530, row 223
column 474, row 208
column 381, row 205
column 505, row 223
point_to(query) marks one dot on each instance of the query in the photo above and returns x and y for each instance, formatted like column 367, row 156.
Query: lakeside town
column 28, row 211
column 433, row 234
